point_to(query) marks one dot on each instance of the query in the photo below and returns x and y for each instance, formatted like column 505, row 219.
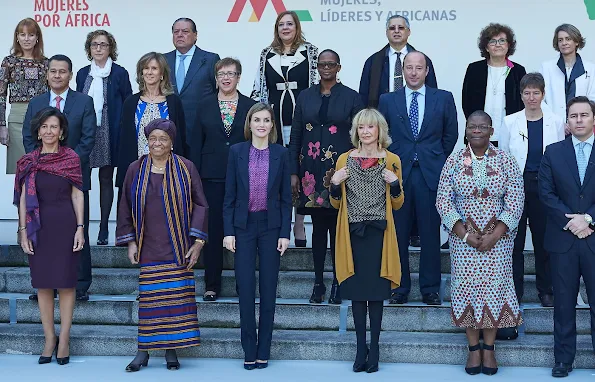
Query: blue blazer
column 237, row 190
column 118, row 89
column 437, row 136
column 82, row 124
column 561, row 192
column 198, row 83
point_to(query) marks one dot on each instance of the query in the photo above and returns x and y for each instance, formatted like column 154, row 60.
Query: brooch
column 309, row 127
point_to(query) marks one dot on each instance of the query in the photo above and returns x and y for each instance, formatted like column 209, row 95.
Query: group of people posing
column 200, row 166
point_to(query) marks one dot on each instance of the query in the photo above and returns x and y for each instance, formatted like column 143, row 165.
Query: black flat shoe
column 317, row 294
column 132, row 367
column 335, row 297
column 476, row 369
column 209, row 297
column 262, row 365
column 398, row 298
column 101, row 241
column 415, row 242
column 102, row 237
column 372, row 368
column 431, row 299
column 82, row 296
column 175, row 365
column 172, row 363
column 484, row 369
column 561, row 369
column 43, row 360
column 63, row 360
column 249, row 366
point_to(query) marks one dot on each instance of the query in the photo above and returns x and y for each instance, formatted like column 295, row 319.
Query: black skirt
column 366, row 246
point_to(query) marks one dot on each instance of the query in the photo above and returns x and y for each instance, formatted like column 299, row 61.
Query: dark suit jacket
column 437, row 136
column 237, row 190
column 476, row 81
column 561, row 192
column 198, row 83
column 82, row 123
column 366, row 84
column 118, row 89
column 128, row 146
column 210, row 145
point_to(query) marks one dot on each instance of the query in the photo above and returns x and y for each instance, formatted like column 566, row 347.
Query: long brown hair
column 299, row 38
column 165, row 85
column 32, row 25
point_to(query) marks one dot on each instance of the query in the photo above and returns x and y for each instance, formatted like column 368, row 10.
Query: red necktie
column 58, row 100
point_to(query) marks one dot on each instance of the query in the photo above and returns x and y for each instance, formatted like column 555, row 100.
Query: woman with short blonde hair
column 370, row 116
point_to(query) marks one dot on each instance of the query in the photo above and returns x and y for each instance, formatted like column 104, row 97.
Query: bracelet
column 465, row 237
column 21, row 228
column 80, row 225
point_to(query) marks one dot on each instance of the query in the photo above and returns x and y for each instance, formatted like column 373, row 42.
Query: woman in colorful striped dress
column 162, row 218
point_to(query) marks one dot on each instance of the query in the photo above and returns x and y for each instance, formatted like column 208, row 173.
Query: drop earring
column 61, row 137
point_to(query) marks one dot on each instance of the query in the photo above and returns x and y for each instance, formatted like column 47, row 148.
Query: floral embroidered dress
column 480, row 193
column 319, row 135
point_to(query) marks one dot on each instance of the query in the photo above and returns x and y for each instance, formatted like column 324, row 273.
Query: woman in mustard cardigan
column 365, row 188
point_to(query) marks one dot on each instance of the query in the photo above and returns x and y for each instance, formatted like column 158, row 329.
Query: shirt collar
column 403, row 51
column 190, row 53
column 576, row 141
column 421, row 91
column 54, row 95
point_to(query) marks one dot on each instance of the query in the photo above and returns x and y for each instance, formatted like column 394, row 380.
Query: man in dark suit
column 192, row 70
column 567, row 189
column 383, row 70
column 82, row 123
column 423, row 125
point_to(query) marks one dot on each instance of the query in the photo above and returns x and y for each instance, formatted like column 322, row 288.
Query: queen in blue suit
column 257, row 219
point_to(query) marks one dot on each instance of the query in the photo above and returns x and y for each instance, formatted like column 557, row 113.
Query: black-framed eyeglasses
column 397, row 27
column 101, row 45
column 501, row 41
column 227, row 74
column 327, row 64
column 482, row 128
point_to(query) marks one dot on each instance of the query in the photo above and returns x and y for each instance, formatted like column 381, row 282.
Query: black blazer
column 118, row 89
column 82, row 124
column 128, row 146
column 562, row 193
column 209, row 143
column 237, row 190
column 476, row 81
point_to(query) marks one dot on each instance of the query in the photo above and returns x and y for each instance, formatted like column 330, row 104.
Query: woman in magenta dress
column 51, row 224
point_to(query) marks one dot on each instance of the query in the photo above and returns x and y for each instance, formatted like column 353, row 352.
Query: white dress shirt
column 495, row 104
column 421, row 103
column 187, row 60
column 392, row 60
column 53, row 99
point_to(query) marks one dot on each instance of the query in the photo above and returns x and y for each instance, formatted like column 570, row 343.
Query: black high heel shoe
column 102, row 238
column 42, row 359
column 335, row 297
column 317, row 294
column 476, row 369
column 360, row 362
column 63, row 360
column 488, row 370
column 172, row 365
column 132, row 367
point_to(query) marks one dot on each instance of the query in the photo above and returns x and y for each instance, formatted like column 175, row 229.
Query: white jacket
column 555, row 80
column 514, row 137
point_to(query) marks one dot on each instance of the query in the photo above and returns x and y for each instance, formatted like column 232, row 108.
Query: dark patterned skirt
column 167, row 308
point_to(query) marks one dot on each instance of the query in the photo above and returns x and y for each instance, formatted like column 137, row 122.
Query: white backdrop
column 446, row 30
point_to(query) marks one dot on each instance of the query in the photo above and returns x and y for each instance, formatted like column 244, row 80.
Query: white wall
column 144, row 25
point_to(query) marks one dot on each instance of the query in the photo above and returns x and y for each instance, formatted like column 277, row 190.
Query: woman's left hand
column 79, row 239
column 488, row 241
column 389, row 176
column 282, row 245
column 193, row 254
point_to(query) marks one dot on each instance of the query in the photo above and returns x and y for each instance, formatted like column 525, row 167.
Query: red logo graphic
column 258, row 7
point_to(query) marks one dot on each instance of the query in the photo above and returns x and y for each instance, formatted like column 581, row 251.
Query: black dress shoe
column 173, row 365
column 476, row 369
column 42, row 359
column 414, row 242
column 132, row 367
column 398, row 298
column 102, row 237
column 335, row 297
column 209, row 297
column 561, row 369
column 262, row 365
column 249, row 366
column 372, row 368
column 317, row 294
column 82, row 296
column 547, row 300
column 431, row 299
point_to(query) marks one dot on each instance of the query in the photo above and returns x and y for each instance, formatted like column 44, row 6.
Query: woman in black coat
column 154, row 100
column 494, row 84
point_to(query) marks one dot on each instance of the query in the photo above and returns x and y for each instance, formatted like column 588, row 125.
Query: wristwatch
column 201, row 241
column 588, row 219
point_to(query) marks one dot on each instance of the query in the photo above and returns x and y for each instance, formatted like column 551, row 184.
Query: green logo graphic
column 590, row 4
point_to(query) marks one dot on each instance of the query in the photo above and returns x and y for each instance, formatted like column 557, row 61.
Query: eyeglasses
column 162, row 140
column 227, row 74
column 482, row 128
column 327, row 64
column 100, row 45
column 397, row 27
column 501, row 41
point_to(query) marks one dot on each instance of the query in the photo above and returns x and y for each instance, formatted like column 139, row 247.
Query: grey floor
column 25, row 368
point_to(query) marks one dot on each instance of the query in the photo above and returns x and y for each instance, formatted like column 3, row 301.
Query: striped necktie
column 581, row 161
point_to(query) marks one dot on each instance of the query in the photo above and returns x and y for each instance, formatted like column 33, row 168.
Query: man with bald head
column 423, row 126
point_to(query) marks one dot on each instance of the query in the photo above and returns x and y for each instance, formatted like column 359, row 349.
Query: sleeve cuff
column 335, row 191
column 125, row 239
column 510, row 221
column 199, row 234
column 450, row 220
column 395, row 189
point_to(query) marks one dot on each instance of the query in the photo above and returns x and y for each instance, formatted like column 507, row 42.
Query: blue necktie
column 414, row 118
column 181, row 73
column 581, row 161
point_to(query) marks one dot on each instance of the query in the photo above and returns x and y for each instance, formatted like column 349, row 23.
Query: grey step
column 423, row 348
column 541, row 320
column 292, row 285
column 295, row 259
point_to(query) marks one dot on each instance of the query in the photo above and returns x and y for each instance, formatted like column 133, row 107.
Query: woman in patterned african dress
column 480, row 200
